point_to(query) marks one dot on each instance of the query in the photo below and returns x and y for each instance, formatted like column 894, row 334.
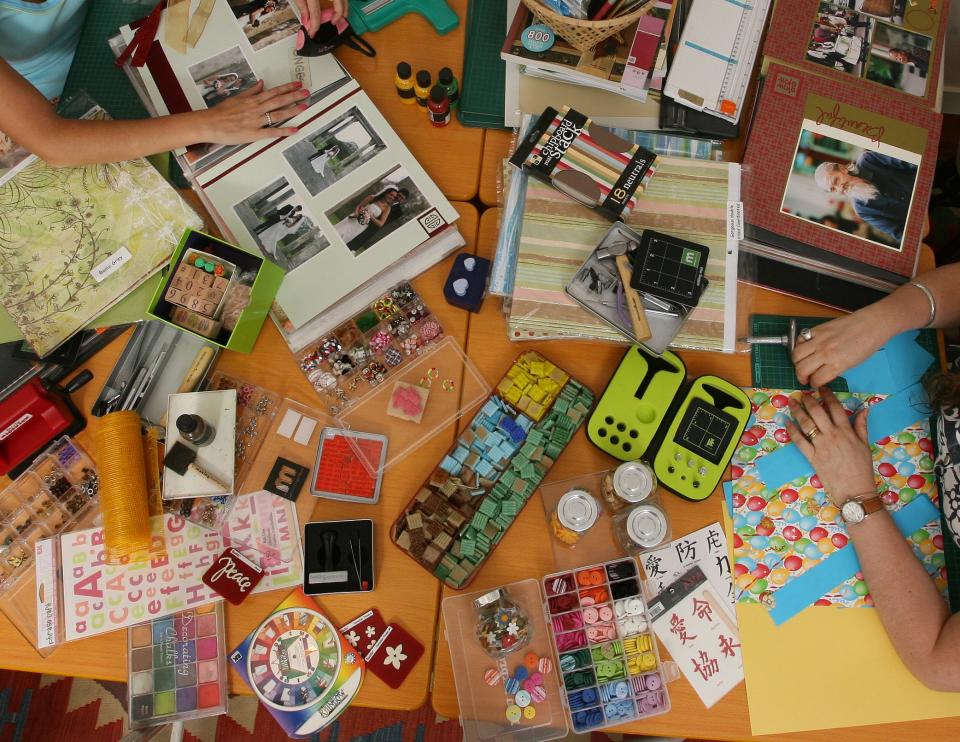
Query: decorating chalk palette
column 607, row 653
column 299, row 666
column 370, row 347
column 472, row 497
column 178, row 667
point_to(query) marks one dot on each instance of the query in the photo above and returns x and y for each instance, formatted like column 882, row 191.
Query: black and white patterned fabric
column 948, row 468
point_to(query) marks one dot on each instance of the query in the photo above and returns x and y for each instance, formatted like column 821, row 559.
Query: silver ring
column 806, row 334
column 270, row 123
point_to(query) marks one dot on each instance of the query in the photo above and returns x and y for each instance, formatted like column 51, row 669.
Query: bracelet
column 933, row 302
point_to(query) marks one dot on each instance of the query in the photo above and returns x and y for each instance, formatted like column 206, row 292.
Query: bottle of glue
column 438, row 107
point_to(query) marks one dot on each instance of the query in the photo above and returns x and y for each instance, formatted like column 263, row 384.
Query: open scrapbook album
column 342, row 205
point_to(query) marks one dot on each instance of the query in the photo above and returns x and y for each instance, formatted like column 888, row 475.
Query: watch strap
column 871, row 505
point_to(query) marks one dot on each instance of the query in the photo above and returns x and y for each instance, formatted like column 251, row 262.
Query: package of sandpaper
column 586, row 161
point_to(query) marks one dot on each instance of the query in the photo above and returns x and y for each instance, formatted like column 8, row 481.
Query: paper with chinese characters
column 706, row 548
column 779, row 534
column 74, row 241
column 697, row 626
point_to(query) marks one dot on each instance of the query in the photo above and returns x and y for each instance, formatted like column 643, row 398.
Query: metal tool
column 789, row 340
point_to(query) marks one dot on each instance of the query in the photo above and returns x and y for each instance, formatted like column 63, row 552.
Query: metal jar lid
column 488, row 598
column 633, row 481
column 578, row 511
column 647, row 526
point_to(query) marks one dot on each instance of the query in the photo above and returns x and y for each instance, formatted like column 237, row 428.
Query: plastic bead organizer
column 476, row 492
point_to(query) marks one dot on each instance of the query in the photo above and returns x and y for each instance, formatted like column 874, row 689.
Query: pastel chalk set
column 688, row 431
column 464, row 508
column 178, row 667
column 466, row 284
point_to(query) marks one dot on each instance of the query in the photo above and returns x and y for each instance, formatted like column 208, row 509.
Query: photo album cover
column 893, row 44
column 338, row 204
column 844, row 171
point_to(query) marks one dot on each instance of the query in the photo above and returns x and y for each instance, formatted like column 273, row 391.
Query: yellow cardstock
column 843, row 664
column 176, row 18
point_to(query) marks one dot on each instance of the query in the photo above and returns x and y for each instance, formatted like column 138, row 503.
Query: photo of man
column 880, row 187
column 843, row 186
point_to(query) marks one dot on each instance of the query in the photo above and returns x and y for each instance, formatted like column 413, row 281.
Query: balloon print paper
column 782, row 533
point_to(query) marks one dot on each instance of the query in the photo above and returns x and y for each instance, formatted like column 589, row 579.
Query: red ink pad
column 344, row 459
column 233, row 576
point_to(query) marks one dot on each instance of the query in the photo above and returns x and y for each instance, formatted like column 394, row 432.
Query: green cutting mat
column 772, row 367
column 93, row 69
column 484, row 73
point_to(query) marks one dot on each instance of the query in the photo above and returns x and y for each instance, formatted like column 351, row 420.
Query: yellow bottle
column 422, row 88
column 404, row 82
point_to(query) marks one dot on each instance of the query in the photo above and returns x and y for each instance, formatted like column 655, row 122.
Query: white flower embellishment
column 353, row 638
column 394, row 656
column 513, row 629
column 370, row 631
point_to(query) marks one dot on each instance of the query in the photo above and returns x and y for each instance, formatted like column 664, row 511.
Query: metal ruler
column 710, row 40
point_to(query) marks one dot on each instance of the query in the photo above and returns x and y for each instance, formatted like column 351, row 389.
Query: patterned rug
column 49, row 707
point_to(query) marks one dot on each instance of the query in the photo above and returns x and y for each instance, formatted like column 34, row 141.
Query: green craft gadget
column 688, row 431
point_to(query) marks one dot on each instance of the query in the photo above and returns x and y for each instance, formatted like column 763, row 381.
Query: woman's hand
column 838, row 451
column 838, row 345
column 242, row 117
column 310, row 13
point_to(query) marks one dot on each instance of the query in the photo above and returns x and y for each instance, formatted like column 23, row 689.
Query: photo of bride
column 379, row 209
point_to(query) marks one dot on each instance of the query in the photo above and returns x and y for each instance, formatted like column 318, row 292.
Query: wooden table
column 526, row 550
column 451, row 155
column 405, row 592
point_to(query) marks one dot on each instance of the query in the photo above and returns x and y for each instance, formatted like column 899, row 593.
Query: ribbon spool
column 124, row 495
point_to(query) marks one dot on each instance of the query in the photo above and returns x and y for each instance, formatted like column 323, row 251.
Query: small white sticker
column 305, row 431
column 735, row 220
column 111, row 264
column 325, row 578
column 300, row 69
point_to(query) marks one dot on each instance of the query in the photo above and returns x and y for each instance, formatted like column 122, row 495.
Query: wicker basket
column 584, row 35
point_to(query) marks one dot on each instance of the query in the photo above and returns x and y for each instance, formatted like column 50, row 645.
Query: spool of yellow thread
column 124, row 499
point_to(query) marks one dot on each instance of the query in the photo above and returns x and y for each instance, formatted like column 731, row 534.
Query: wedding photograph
column 222, row 76
column 265, row 22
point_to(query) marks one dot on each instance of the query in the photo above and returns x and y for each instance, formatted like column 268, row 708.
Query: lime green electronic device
column 687, row 431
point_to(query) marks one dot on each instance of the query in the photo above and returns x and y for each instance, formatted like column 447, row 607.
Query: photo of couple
column 367, row 217
column 282, row 228
column 222, row 76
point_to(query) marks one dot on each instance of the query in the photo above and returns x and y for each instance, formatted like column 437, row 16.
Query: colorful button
column 545, row 665
column 522, row 699
column 514, row 713
column 491, row 677
column 529, row 712
column 538, row 694
column 530, row 661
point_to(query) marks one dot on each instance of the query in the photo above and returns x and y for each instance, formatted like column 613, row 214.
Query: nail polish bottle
column 196, row 430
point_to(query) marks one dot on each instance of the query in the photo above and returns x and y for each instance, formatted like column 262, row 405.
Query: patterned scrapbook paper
column 686, row 198
column 854, row 114
column 57, row 225
column 781, row 534
column 808, row 33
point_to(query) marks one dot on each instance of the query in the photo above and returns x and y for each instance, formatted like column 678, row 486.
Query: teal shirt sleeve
column 39, row 40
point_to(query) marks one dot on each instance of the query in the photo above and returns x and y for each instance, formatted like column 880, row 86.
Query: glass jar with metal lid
column 501, row 626
column 575, row 514
column 642, row 528
column 628, row 484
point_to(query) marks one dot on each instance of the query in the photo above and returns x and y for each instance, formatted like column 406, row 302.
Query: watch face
column 852, row 512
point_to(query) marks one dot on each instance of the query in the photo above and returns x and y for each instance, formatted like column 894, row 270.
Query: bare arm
column 844, row 342
column 30, row 121
column 913, row 613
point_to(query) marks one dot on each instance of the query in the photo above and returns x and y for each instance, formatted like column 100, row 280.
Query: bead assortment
column 364, row 351
column 58, row 489
column 608, row 656
column 495, row 466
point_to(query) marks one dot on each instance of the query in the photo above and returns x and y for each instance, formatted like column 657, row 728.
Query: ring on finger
column 812, row 433
column 269, row 118
column 806, row 334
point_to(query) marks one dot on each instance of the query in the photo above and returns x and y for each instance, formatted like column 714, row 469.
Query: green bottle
column 449, row 83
